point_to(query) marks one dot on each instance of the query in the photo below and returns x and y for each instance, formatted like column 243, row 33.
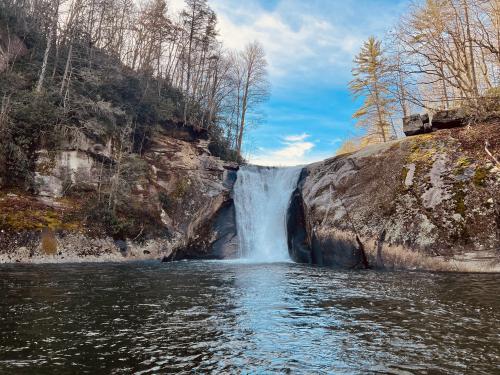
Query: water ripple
column 228, row 317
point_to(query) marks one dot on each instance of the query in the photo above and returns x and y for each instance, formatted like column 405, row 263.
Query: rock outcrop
column 187, row 195
column 445, row 119
column 430, row 201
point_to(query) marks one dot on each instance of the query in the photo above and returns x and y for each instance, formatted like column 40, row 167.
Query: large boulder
column 434, row 198
column 310, row 241
column 200, row 207
column 413, row 125
column 445, row 119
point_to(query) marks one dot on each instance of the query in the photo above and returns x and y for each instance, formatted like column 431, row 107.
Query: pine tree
column 370, row 82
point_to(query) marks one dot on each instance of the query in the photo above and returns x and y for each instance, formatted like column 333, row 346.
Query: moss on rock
column 480, row 176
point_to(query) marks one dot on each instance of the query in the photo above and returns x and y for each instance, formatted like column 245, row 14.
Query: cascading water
column 261, row 197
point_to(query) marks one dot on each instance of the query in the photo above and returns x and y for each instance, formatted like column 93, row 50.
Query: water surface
column 216, row 317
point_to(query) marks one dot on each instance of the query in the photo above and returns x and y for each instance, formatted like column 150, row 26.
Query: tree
column 251, row 85
column 194, row 19
column 452, row 47
column 50, row 39
column 370, row 82
column 184, row 69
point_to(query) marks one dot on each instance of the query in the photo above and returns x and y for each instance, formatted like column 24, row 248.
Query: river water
column 223, row 317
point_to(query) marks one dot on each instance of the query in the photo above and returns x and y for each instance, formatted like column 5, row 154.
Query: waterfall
column 261, row 197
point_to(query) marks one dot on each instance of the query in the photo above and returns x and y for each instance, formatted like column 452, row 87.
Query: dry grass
column 49, row 242
column 20, row 212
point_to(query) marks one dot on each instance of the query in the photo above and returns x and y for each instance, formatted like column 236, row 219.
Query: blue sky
column 309, row 45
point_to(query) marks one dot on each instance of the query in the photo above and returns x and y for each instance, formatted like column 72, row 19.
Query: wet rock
column 168, row 258
column 213, row 238
column 298, row 243
column 122, row 246
column 311, row 243
column 226, row 245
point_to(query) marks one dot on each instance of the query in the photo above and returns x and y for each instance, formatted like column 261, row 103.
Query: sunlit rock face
column 201, row 209
column 186, row 191
column 435, row 194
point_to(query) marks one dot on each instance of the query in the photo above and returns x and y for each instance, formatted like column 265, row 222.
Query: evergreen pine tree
column 370, row 82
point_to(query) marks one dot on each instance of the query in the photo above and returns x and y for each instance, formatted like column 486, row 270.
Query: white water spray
column 261, row 197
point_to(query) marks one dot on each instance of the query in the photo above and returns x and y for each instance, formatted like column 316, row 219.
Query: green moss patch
column 181, row 188
column 22, row 213
column 404, row 173
column 459, row 200
column 480, row 176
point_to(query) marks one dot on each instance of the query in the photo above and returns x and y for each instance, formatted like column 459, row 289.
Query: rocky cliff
column 428, row 202
column 105, row 171
column 182, row 205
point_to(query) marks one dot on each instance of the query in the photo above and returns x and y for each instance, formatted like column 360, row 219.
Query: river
column 237, row 317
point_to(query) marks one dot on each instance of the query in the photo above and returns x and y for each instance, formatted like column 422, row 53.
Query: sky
column 309, row 45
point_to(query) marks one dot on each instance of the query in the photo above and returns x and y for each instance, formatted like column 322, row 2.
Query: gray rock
column 226, row 245
column 298, row 244
column 413, row 125
column 445, row 119
column 309, row 243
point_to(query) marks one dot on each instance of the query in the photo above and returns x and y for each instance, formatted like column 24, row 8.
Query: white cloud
column 292, row 53
column 336, row 141
column 296, row 138
column 295, row 151
column 304, row 40
column 309, row 46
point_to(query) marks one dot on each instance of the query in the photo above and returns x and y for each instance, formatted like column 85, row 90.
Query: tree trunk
column 50, row 38
column 67, row 67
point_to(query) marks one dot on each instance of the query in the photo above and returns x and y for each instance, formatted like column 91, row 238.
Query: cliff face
column 185, row 194
column 430, row 201
column 105, row 172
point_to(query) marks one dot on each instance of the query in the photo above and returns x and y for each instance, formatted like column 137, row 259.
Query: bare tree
column 50, row 39
column 250, row 84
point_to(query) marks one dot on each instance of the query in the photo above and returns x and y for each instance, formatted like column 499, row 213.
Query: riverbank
column 81, row 249
column 65, row 247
